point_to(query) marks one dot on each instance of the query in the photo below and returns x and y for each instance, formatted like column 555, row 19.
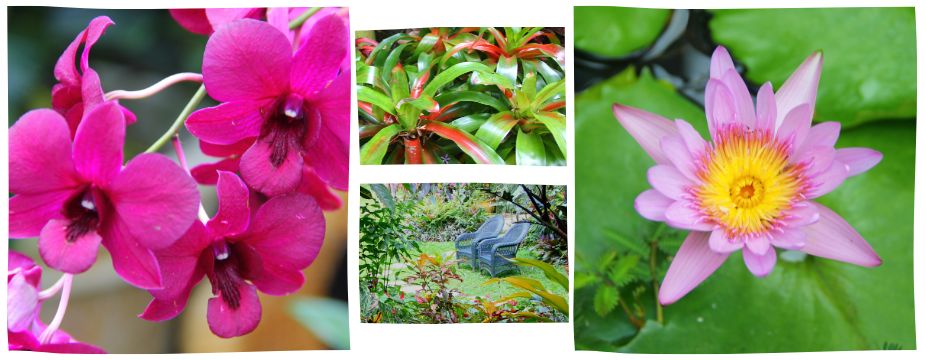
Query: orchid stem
column 297, row 22
column 51, row 291
column 190, row 106
column 156, row 88
column 178, row 148
column 46, row 335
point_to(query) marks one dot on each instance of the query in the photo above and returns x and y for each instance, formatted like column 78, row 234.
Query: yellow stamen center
column 747, row 182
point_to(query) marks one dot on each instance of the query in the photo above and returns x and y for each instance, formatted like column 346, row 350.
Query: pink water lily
column 79, row 88
column 751, row 188
column 77, row 195
column 240, row 254
column 295, row 106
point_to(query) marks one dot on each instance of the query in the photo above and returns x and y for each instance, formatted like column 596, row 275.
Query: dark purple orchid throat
column 83, row 214
column 284, row 127
column 226, row 273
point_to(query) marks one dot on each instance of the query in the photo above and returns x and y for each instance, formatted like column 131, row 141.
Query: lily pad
column 807, row 303
column 617, row 31
column 869, row 67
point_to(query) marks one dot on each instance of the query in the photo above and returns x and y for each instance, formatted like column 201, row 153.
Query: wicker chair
column 494, row 253
column 467, row 244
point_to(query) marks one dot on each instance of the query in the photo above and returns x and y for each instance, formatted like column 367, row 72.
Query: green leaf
column 445, row 77
column 470, row 123
column 475, row 148
column 620, row 272
column 549, row 92
column 548, row 270
column 617, row 31
column 529, row 149
column 478, row 97
column 606, row 299
column 378, row 99
column 372, row 152
column 326, row 318
column 507, row 67
column 384, row 195
column 556, row 124
column 869, row 56
column 585, row 279
column 390, row 65
column 496, row 128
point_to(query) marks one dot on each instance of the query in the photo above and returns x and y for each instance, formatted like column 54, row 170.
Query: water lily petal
column 800, row 88
column 742, row 100
column 833, row 238
column 318, row 60
column 823, row 134
column 98, row 144
column 652, row 204
column 228, row 322
column 246, row 60
column 719, row 242
column 719, row 106
column 228, row 123
column 647, row 129
column 156, row 200
column 40, row 154
column 260, row 173
column 795, row 126
column 683, row 160
column 290, row 230
column 693, row 140
column 693, row 263
column 73, row 257
column 801, row 214
column 760, row 264
column 30, row 212
column 766, row 109
column 758, row 245
column 828, row 180
column 234, row 212
column 683, row 215
column 668, row 181
column 859, row 160
column 789, row 239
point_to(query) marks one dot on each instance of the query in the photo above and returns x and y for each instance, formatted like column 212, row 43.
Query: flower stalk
column 154, row 89
column 46, row 335
column 297, row 22
column 175, row 127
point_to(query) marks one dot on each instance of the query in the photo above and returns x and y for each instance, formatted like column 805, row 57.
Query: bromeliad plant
column 285, row 121
column 453, row 96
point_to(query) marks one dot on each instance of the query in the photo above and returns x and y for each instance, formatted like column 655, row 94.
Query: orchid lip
column 83, row 213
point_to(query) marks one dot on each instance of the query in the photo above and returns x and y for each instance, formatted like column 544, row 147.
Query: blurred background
column 143, row 47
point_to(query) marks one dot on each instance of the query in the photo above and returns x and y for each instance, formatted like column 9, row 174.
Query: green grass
column 472, row 283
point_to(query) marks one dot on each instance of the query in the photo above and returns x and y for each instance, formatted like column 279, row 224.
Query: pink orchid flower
column 23, row 304
column 294, row 105
column 752, row 187
column 22, row 297
column 240, row 255
column 60, row 341
column 206, row 21
column 79, row 89
column 76, row 196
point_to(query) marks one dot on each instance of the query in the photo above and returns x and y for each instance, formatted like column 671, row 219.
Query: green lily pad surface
column 616, row 31
column 805, row 304
column 869, row 66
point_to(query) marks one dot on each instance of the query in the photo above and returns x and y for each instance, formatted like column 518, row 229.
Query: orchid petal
column 261, row 174
column 228, row 322
column 228, row 123
column 246, row 60
column 318, row 60
column 315, row 186
column 72, row 256
column 30, row 212
column 40, row 154
column 193, row 20
column 234, row 212
column 98, row 144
